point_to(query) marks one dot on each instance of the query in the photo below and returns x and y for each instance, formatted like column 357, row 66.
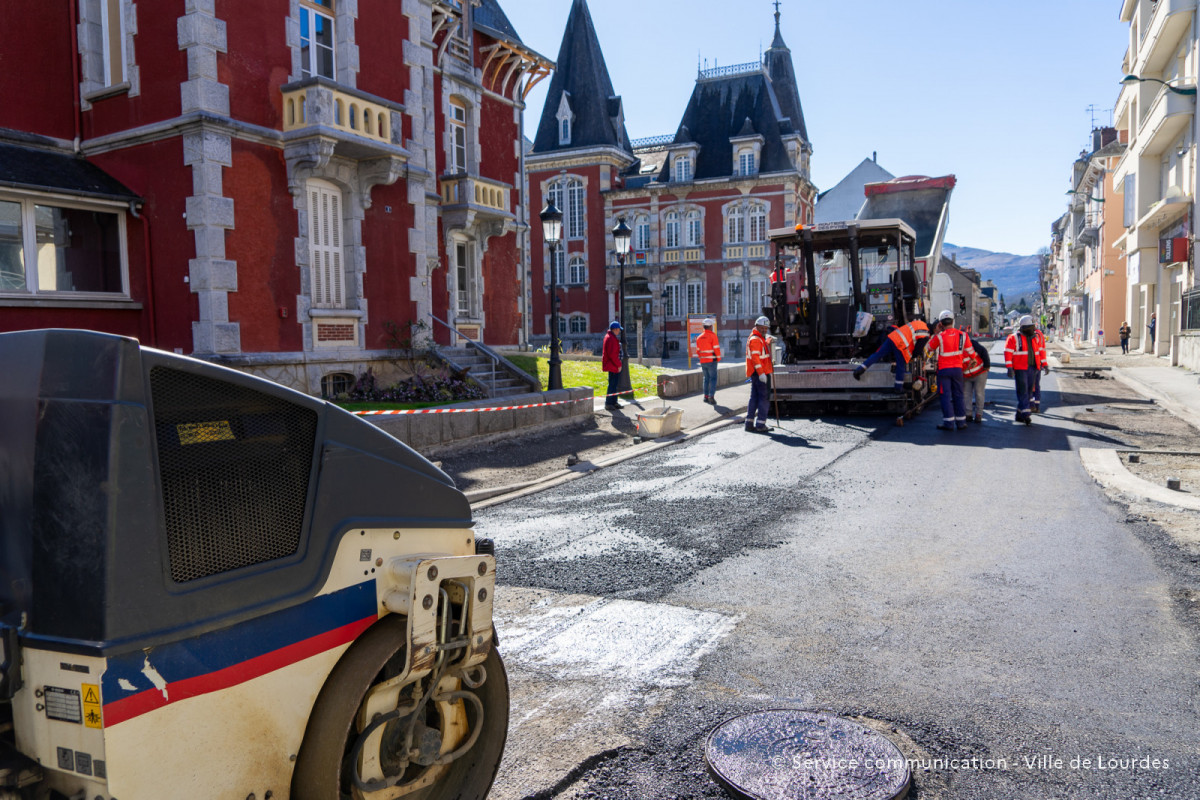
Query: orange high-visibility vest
column 905, row 337
column 1017, row 353
column 758, row 355
column 949, row 345
column 708, row 347
column 972, row 363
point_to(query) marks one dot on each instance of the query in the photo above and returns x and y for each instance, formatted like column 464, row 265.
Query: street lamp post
column 737, row 320
column 665, row 295
column 1184, row 90
column 552, row 224
column 622, row 233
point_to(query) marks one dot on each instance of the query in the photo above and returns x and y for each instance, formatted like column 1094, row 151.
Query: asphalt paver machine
column 840, row 287
column 214, row 587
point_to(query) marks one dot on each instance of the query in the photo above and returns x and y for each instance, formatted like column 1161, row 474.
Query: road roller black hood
column 146, row 496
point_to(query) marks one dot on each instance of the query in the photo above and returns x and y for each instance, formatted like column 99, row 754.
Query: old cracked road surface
column 973, row 595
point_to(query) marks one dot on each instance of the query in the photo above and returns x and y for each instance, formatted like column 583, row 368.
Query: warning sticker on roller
column 92, row 716
column 63, row 704
column 201, row 432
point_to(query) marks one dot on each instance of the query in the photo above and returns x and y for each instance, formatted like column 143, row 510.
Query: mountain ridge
column 1015, row 276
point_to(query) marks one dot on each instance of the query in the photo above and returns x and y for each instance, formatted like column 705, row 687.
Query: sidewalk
column 1174, row 388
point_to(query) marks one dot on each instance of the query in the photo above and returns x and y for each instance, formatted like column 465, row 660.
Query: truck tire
column 322, row 766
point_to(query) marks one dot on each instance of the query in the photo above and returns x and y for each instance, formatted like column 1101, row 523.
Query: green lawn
column 588, row 373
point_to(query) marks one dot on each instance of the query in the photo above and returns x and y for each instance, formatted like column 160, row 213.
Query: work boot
column 945, row 427
column 979, row 417
column 749, row 429
column 1035, row 408
column 962, row 426
column 762, row 429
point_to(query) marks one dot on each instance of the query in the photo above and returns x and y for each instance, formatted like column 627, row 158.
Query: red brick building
column 282, row 186
column 700, row 202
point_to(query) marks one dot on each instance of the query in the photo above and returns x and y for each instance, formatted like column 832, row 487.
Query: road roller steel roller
column 215, row 587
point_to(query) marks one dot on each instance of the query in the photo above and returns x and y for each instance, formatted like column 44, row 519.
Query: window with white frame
column 458, row 137
column 565, row 117
column 573, row 219
column 683, row 169
column 641, row 233
column 462, row 276
column 578, row 270
column 112, row 24
column 326, row 259
column 671, row 301
column 316, row 39
column 733, row 298
column 758, row 299
column 578, row 324
column 735, row 226
column 564, row 134
column 695, row 298
column 671, row 229
column 55, row 248
column 694, row 229
column 746, row 162
column 758, row 223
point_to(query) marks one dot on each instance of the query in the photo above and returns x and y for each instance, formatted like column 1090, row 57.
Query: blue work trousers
column 760, row 402
column 1026, row 381
column 614, row 380
column 950, row 392
column 889, row 348
column 710, row 378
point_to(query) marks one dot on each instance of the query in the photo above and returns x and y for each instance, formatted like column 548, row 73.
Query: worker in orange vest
column 708, row 350
column 902, row 343
column 948, row 344
column 1024, row 359
column 1035, row 395
column 976, row 363
column 759, row 369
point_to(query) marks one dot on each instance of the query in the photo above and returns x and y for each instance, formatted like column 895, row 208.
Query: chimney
column 875, row 156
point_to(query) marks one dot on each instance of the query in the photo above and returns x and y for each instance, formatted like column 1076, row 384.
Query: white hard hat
column 708, row 323
column 947, row 314
column 762, row 321
column 1025, row 320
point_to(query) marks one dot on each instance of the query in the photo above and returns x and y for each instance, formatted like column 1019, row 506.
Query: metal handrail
column 496, row 359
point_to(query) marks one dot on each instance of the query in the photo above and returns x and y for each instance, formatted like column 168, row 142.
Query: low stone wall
column 1186, row 350
column 430, row 433
column 692, row 381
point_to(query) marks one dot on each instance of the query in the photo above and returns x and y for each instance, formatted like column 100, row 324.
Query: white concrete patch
column 584, row 672
column 1106, row 468
column 620, row 541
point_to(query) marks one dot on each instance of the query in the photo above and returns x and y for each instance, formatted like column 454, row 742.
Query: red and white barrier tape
column 478, row 410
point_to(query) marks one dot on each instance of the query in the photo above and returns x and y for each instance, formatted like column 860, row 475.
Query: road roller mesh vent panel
column 235, row 466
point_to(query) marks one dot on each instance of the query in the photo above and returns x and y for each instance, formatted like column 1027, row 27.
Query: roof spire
column 777, row 43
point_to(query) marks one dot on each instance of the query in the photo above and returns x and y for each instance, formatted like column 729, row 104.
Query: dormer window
column 747, row 163
column 683, row 169
column 566, row 118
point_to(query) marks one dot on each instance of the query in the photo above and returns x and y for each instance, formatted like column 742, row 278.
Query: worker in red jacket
column 708, row 350
column 948, row 345
column 1024, row 359
column 610, row 362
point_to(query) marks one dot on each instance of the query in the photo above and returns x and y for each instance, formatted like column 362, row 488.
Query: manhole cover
column 801, row 755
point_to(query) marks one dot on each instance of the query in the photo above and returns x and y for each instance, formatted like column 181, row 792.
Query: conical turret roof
column 583, row 77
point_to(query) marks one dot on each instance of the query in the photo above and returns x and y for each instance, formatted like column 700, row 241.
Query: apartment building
column 1154, row 180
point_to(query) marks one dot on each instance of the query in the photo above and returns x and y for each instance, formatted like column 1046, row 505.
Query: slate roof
column 489, row 17
column 720, row 109
column 46, row 170
column 844, row 200
column 582, row 74
column 778, row 63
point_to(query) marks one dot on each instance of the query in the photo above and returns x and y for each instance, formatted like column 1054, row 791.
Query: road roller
column 213, row 587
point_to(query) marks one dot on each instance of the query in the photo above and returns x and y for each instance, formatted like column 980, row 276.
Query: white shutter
column 325, row 246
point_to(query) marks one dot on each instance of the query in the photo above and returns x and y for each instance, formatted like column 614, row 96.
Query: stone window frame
column 643, row 233
column 672, row 303
column 345, row 52
column 579, row 321
column 93, row 51
column 455, row 126
column 693, row 214
column 566, row 119
column 697, row 283
column 577, row 261
column 566, row 188
column 672, row 228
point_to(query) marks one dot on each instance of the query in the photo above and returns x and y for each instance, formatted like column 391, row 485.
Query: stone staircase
column 503, row 383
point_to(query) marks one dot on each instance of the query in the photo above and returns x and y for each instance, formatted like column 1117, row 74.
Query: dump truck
column 839, row 287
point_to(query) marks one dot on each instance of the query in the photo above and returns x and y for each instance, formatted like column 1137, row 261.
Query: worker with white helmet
column 947, row 345
column 1025, row 357
column 708, row 350
column 759, row 369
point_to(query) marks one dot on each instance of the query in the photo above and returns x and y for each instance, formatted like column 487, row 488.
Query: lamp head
column 552, row 223
column 622, row 233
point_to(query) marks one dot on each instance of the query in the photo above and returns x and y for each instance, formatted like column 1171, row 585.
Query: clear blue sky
column 995, row 93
